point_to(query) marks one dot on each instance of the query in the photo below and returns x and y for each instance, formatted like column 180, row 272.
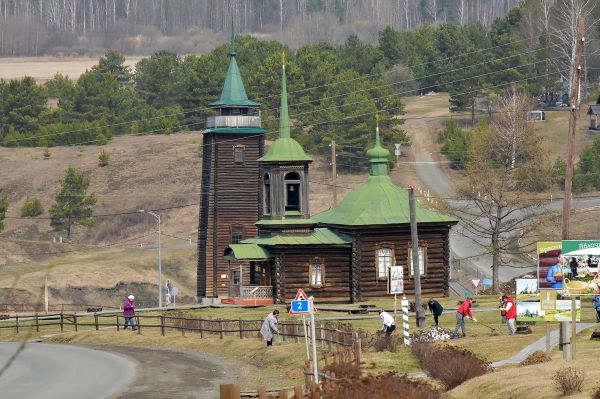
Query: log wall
column 293, row 266
column 435, row 280
column 230, row 197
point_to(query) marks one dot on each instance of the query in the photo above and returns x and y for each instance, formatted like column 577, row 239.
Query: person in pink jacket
column 129, row 312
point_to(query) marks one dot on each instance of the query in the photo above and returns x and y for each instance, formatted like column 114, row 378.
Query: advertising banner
column 580, row 267
column 527, row 288
column 531, row 311
column 550, row 273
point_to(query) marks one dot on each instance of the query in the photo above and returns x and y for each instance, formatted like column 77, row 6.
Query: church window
column 237, row 234
column 267, row 193
column 385, row 260
column 292, row 191
column 316, row 271
column 238, row 154
column 422, row 261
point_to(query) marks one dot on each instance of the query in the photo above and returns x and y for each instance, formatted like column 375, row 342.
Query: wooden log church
column 257, row 240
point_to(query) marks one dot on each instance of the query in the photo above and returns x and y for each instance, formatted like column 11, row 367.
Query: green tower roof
column 234, row 93
column 285, row 148
column 378, row 201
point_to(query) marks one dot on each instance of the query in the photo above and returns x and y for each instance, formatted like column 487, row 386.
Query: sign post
column 405, row 325
column 314, row 340
column 302, row 305
column 398, row 152
column 476, row 284
column 395, row 284
column 305, row 336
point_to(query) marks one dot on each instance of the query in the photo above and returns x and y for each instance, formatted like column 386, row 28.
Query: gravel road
column 173, row 374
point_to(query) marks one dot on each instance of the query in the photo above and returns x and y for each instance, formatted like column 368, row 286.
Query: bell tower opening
column 292, row 192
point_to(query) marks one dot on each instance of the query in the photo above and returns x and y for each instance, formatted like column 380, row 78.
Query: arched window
column 292, row 191
column 385, row 260
column 316, row 273
column 267, row 193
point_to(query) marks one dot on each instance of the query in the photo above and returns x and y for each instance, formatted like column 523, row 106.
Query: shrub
column 536, row 358
column 569, row 380
column 32, row 207
column 596, row 393
column 449, row 364
column 103, row 159
column 47, row 153
column 385, row 386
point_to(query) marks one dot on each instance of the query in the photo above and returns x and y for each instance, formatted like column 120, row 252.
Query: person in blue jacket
column 555, row 276
column 596, row 303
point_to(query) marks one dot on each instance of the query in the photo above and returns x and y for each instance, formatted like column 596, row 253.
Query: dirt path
column 173, row 374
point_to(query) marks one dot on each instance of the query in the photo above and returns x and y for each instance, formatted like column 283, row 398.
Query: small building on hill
column 341, row 254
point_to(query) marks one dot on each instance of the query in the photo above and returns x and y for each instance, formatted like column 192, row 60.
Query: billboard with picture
column 550, row 273
column 580, row 267
column 531, row 311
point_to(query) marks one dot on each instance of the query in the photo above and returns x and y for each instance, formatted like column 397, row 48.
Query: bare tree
column 567, row 15
column 501, row 158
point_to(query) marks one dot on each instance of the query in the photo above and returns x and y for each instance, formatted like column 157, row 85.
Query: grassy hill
column 118, row 254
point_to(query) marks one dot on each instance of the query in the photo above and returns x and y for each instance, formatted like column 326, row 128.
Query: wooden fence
column 289, row 330
column 347, row 356
column 7, row 308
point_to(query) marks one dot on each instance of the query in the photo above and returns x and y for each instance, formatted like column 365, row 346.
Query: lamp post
column 157, row 216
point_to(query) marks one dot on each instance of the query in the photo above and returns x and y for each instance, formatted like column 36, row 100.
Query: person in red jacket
column 463, row 312
column 510, row 308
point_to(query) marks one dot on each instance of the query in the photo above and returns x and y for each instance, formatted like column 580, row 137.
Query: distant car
column 564, row 105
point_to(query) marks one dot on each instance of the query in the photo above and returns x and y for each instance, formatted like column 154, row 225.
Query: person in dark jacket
column 129, row 312
column 436, row 309
column 573, row 265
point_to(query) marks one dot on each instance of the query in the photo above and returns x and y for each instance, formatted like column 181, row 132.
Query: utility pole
column 415, row 257
column 334, row 173
column 566, row 222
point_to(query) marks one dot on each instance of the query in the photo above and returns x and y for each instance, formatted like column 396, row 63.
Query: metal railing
column 233, row 121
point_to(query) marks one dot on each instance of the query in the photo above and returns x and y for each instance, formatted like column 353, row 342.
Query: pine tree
column 72, row 205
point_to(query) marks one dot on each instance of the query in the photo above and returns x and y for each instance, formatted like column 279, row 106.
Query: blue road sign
column 299, row 307
column 487, row 281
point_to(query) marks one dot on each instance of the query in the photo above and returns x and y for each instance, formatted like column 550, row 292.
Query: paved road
column 47, row 371
column 539, row 345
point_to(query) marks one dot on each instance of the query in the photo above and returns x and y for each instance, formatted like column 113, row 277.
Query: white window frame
column 422, row 260
column 382, row 269
column 321, row 267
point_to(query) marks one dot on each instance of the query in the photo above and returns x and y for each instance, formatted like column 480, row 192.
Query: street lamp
column 157, row 216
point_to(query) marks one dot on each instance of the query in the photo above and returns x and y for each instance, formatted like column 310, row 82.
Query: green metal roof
column 248, row 252
column 285, row 222
column 285, row 148
column 323, row 236
column 234, row 92
column 378, row 201
column 233, row 130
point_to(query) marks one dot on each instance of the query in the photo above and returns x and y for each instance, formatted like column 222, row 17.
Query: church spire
column 378, row 156
column 232, row 53
column 234, row 92
column 284, row 120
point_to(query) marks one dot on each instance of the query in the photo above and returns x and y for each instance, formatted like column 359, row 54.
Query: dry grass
column 535, row 381
column 43, row 69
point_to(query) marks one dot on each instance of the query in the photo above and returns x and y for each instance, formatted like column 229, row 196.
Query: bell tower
column 284, row 175
column 230, row 197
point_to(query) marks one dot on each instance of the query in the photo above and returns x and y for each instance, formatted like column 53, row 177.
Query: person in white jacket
column 388, row 324
column 269, row 327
